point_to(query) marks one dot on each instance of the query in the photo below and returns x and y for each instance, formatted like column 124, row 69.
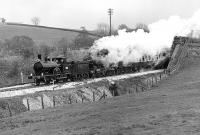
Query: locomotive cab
column 59, row 60
column 63, row 64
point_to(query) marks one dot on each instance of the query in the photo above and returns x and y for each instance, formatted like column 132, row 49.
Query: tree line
column 103, row 28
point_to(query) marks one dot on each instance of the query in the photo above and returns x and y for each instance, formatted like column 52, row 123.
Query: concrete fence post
column 147, row 83
column 160, row 76
column 104, row 94
column 70, row 100
column 93, row 95
column 156, row 79
column 129, row 91
column 54, row 98
column 82, row 98
column 10, row 112
column 28, row 106
column 136, row 89
column 22, row 77
column 42, row 101
column 54, row 102
column 152, row 81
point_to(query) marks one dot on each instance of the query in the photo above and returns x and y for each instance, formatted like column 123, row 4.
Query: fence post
column 70, row 100
column 147, row 83
column 10, row 112
column 152, row 81
column 104, row 94
column 93, row 96
column 156, row 79
column 28, row 106
column 54, row 102
column 136, row 89
column 22, row 77
column 160, row 76
column 82, row 98
column 42, row 101
column 129, row 91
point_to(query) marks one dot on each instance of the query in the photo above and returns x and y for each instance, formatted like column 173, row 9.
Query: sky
column 88, row 13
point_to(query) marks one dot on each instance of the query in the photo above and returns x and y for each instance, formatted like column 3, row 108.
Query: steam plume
column 130, row 47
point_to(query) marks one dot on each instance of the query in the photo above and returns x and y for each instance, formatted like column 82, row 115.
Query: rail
column 24, row 91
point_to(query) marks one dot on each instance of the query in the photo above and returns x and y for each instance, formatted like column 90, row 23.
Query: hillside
column 39, row 34
column 172, row 108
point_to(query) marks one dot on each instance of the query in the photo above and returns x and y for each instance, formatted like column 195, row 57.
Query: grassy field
column 38, row 34
column 171, row 108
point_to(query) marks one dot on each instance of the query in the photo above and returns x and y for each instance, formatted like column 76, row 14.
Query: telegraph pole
column 110, row 13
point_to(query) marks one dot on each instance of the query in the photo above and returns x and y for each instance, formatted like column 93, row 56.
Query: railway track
column 30, row 88
column 15, row 86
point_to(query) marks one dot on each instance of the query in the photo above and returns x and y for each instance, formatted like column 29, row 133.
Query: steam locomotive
column 58, row 69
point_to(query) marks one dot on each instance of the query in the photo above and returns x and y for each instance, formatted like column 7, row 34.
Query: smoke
column 131, row 46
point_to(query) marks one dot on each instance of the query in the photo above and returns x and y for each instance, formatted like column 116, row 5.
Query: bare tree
column 63, row 46
column 102, row 29
column 35, row 20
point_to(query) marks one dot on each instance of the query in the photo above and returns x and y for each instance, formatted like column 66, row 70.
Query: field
column 38, row 34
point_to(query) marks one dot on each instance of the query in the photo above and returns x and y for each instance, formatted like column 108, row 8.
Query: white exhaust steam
column 130, row 47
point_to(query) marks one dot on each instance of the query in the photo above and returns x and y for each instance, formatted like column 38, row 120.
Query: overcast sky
column 76, row 13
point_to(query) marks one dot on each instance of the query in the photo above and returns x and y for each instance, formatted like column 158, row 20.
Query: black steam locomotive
column 58, row 69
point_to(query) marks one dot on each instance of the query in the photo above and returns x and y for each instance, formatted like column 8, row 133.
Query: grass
column 15, row 104
column 38, row 34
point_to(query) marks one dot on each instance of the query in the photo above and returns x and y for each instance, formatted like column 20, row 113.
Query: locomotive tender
column 58, row 69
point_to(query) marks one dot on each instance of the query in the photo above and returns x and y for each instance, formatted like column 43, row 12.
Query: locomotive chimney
column 39, row 56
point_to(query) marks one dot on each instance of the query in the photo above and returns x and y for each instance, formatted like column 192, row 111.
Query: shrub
column 14, row 70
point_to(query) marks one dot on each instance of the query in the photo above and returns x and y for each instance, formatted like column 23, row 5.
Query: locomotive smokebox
column 38, row 68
